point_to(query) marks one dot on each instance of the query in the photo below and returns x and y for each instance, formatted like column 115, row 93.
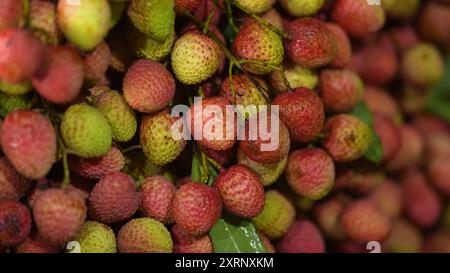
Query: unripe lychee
column 157, row 198
column 35, row 244
column 299, row 8
column 195, row 58
column 268, row 172
column 16, row 89
column 22, row 55
column 10, row 103
column 362, row 221
column 15, row 222
column 96, row 62
column 302, row 112
column 241, row 191
column 144, row 235
column 13, row 185
column 400, row 9
column 96, row 168
column 358, row 18
column 296, row 76
column 277, row 216
column 120, row 116
column 187, row 5
column 256, row 42
column 156, row 138
column 29, row 141
column 61, row 78
column 148, row 87
column 256, row 6
column 11, row 13
column 389, row 134
column 43, row 22
column 388, row 197
column 411, row 149
column 86, row 130
column 95, row 237
column 422, row 65
column 343, row 46
column 403, row 238
column 340, row 90
column 185, row 243
column 114, row 198
column 347, row 138
column 84, row 24
column 302, row 237
column 380, row 101
column 146, row 47
column 196, row 208
column 310, row 173
column 58, row 215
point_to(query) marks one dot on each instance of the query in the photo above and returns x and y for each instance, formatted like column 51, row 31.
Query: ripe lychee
column 13, row 185
column 380, row 101
column 388, row 197
column 43, row 22
column 96, row 168
column 389, row 134
column 359, row 179
column 296, row 76
column 35, row 244
column 95, row 237
column 187, row 5
column 302, row 237
column 439, row 174
column 157, row 198
column 411, row 149
column 343, row 46
column 327, row 215
column 15, row 222
column 434, row 22
column 185, row 243
column 96, row 62
column 11, row 13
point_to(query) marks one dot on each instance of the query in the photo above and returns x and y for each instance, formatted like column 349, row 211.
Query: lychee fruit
column 114, row 198
column 302, row 237
column 404, row 238
column 146, row 47
column 273, row 17
column 95, row 237
column 16, row 89
column 10, row 103
column 196, row 208
column 35, row 244
column 327, row 215
column 411, row 149
column 439, row 174
column 97, row 61
column 434, row 22
column 380, row 101
column 359, row 179
column 157, row 198
column 43, row 22
column 29, row 141
column 11, row 13
column 343, row 46
column 256, row 6
column 15, row 222
column 58, row 215
column 388, row 197
column 148, row 87
column 185, row 243
column 187, row 5
column 86, row 130
column 13, row 185
column 400, row 9
column 302, row 8
column 389, row 134
column 96, row 168
column 296, row 76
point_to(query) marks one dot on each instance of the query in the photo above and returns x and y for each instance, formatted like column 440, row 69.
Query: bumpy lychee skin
column 35, row 244
column 422, row 65
column 61, row 79
column 358, row 18
column 11, row 13
column 277, row 216
column 148, row 87
column 380, row 101
column 119, row 114
column 114, row 198
column 96, row 62
column 144, row 235
column 411, row 149
column 187, row 5
column 268, row 172
column 388, row 197
column 310, row 173
column 147, row 47
column 157, row 198
column 16, row 89
column 439, row 174
column 196, row 208
column 302, row 237
column 43, row 22
column 255, row 42
column 15, row 222
column 256, row 6
column 29, row 141
column 9, row 103
column 185, row 243
column 297, row 76
column 84, row 24
column 340, row 90
column 303, row 113
column 211, row 111
column 96, row 168
column 95, row 237
column 86, row 130
column 422, row 203
column 58, row 215
column 389, row 135
column 404, row 238
column 311, row 43
column 362, row 221
column 241, row 191
column 156, row 138
column 13, row 185
column 22, row 55
column 299, row 8
column 347, row 138
column 343, row 46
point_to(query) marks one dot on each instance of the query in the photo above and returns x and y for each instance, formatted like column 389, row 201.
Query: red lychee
column 157, row 198
column 15, row 222
column 96, row 62
column 11, row 13
column 97, row 168
column 388, row 197
column 185, row 243
column 343, row 46
column 12, row 184
column 411, row 149
column 35, row 244
column 389, row 134
column 302, row 237
column 380, row 101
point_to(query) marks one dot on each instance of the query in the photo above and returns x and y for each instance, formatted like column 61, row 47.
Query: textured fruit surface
column 299, row 8
column 35, row 244
column 97, row 61
column 43, row 22
column 296, row 76
column 22, row 55
column 277, row 216
column 29, row 141
column 302, row 237
column 255, row 42
column 16, row 89
column 196, row 208
column 86, row 24
column 12, row 184
column 10, row 103
column 389, row 134
column 343, row 46
column 241, row 191
column 58, row 215
column 156, row 138
column 86, row 130
column 310, row 173
column 11, row 13
column 256, row 6
column 434, row 21
column 62, row 77
column 347, row 138
column 114, row 198
column 144, row 235
column 96, row 237
column 312, row 44
column 157, row 198
column 120, row 116
column 147, row 47
column 15, row 222
column 187, row 5
column 185, row 243
column 96, row 168
column 303, row 113
column 148, row 86
column 362, row 221
column 195, row 58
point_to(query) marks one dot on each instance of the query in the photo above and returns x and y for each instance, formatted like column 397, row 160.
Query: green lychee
column 17, row 88
column 296, row 76
column 10, row 103
column 299, row 8
column 256, row 6
column 95, row 237
column 146, row 47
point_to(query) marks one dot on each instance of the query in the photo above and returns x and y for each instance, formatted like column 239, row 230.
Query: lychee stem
column 229, row 13
column 133, row 147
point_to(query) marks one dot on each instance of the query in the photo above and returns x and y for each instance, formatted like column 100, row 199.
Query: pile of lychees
column 87, row 150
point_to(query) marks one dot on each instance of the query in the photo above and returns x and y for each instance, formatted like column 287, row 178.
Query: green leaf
column 195, row 169
column 234, row 235
column 438, row 100
column 212, row 174
column 375, row 151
